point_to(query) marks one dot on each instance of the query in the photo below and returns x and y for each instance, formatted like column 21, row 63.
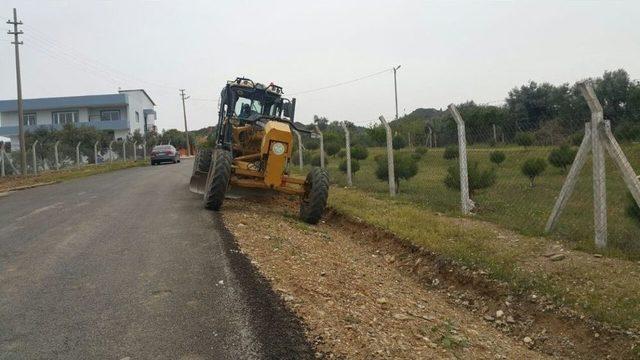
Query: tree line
column 552, row 114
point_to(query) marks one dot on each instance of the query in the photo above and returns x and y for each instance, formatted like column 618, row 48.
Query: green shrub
column 416, row 156
column 312, row 144
column 398, row 142
column 342, row 153
column 450, row 152
column 497, row 157
column 628, row 131
column 633, row 210
column 359, row 152
column 422, row 150
column 331, row 148
column 562, row 157
column 478, row 178
column 524, row 139
column 532, row 168
column 576, row 138
column 315, row 160
column 355, row 166
column 306, row 157
column 404, row 168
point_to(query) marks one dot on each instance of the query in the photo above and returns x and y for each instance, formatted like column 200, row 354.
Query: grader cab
column 252, row 147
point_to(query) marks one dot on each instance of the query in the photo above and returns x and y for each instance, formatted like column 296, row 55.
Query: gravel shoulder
column 354, row 295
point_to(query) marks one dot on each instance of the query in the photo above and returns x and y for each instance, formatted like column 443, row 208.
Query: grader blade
column 197, row 183
column 200, row 170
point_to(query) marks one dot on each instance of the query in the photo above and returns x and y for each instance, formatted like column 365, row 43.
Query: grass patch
column 14, row 182
column 511, row 202
column 604, row 288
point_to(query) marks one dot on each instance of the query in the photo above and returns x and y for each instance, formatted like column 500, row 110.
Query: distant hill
column 415, row 121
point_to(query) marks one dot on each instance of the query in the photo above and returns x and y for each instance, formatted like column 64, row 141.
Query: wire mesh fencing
column 59, row 155
column 516, row 172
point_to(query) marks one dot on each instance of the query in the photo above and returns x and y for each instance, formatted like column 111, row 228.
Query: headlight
column 278, row 148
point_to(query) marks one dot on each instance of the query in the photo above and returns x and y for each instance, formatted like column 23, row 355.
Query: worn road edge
column 284, row 337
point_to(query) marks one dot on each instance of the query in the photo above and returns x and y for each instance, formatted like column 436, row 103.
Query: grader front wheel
column 217, row 179
column 315, row 196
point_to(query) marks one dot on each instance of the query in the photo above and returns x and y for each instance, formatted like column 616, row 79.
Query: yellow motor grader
column 252, row 147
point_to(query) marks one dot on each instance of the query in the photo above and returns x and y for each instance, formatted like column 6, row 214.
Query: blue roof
column 65, row 102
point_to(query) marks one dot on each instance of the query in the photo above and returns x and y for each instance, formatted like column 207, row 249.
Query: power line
column 341, row 83
column 70, row 51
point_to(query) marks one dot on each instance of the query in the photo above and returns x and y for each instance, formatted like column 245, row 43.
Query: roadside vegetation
column 504, row 196
column 10, row 183
column 603, row 288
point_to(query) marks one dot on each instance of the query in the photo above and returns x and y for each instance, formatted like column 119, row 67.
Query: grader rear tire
column 217, row 179
column 315, row 196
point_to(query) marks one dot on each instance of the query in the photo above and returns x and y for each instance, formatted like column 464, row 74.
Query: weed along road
column 128, row 264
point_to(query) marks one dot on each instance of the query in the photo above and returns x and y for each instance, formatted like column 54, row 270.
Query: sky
column 449, row 51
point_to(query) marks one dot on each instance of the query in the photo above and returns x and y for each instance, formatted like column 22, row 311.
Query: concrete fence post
column 35, row 158
column 390, row 163
column 300, row 148
column 615, row 151
column 495, row 133
column 144, row 150
column 321, row 146
column 571, row 180
column 465, row 201
column 348, row 149
column 124, row 150
column 78, row 154
column 598, row 162
column 55, row 154
column 430, row 137
column 135, row 151
column 598, row 137
column 111, row 151
column 95, row 152
column 2, row 172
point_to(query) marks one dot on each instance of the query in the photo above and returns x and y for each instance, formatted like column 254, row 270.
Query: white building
column 120, row 114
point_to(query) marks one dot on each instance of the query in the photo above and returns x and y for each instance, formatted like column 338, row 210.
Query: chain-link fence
column 518, row 175
column 60, row 155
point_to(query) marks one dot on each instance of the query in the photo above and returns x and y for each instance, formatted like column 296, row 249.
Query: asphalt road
column 129, row 264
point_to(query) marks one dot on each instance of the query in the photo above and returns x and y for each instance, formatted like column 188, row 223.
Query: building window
column 30, row 119
column 137, row 117
column 65, row 117
column 110, row 115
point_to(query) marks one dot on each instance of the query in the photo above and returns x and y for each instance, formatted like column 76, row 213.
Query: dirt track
column 364, row 294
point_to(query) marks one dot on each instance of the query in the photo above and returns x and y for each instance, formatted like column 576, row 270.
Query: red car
column 164, row 153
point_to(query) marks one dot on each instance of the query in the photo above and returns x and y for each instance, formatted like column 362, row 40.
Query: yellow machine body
column 260, row 166
column 275, row 133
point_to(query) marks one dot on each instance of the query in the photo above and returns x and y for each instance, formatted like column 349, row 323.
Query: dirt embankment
column 365, row 294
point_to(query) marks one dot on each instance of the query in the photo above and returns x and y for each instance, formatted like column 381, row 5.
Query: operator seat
column 245, row 111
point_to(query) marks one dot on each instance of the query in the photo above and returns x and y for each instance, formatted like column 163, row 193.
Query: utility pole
column 395, row 87
column 17, row 43
column 184, row 113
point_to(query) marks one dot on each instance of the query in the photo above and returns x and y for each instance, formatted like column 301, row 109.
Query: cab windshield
column 246, row 107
